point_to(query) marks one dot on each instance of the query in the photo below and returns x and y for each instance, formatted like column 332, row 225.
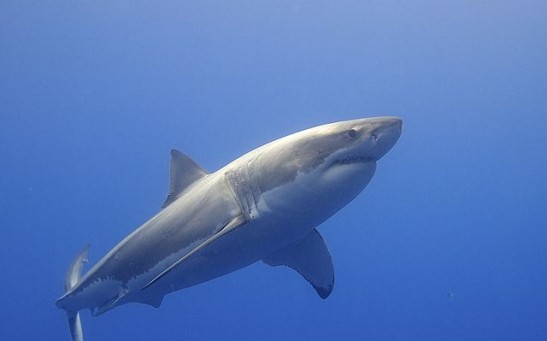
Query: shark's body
column 264, row 205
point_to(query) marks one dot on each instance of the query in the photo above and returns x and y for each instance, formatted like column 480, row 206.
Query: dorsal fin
column 184, row 171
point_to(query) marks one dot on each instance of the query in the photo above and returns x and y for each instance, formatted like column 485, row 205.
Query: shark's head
column 323, row 168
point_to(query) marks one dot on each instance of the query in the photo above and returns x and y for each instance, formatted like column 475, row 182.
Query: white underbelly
column 233, row 251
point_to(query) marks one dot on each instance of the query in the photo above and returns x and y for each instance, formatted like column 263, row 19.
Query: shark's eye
column 352, row 133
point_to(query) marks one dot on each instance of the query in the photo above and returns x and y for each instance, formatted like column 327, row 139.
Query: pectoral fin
column 230, row 226
column 310, row 258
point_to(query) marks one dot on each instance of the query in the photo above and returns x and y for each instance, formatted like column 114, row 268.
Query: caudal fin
column 75, row 327
column 72, row 278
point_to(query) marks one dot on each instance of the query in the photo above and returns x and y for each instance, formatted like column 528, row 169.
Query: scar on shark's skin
column 265, row 206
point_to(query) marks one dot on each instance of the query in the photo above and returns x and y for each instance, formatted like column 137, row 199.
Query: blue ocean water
column 448, row 242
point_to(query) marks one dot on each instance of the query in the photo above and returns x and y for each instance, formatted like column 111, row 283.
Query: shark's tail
column 72, row 278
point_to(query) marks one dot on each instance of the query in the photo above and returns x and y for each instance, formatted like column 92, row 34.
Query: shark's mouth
column 351, row 160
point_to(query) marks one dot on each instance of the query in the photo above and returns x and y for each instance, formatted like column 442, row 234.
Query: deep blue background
column 448, row 242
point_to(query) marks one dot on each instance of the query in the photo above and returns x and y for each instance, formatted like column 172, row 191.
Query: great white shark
column 265, row 206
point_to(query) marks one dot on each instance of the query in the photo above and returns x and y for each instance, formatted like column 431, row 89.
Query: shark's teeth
column 352, row 159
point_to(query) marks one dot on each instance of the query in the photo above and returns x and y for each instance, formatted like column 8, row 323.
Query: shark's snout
column 385, row 134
